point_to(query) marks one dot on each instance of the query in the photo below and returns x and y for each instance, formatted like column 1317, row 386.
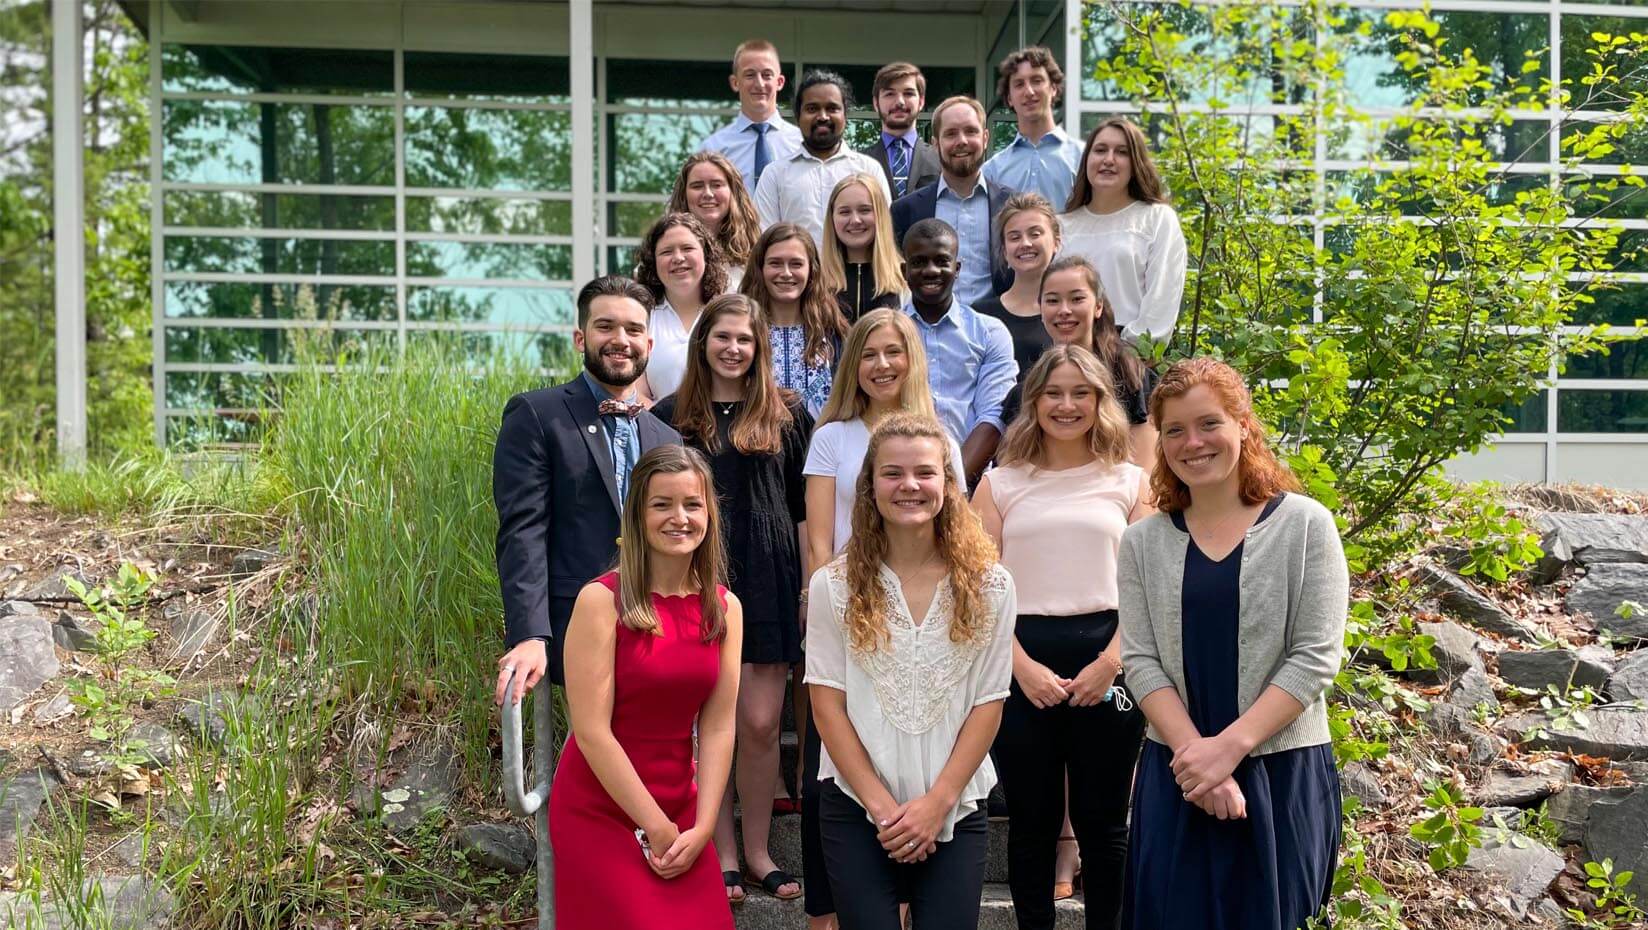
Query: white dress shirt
column 667, row 364
column 797, row 189
column 736, row 140
column 1139, row 252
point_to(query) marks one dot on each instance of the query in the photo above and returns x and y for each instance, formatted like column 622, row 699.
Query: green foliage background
column 116, row 162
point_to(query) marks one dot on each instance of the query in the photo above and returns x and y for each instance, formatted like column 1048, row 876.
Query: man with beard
column 797, row 189
column 560, row 471
column 900, row 92
column 962, row 198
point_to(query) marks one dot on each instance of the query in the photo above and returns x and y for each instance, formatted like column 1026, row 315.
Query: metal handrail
column 529, row 804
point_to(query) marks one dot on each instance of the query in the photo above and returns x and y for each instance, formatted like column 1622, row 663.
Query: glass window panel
column 519, row 78
column 488, row 149
column 1617, row 144
column 648, row 148
column 506, row 261
column 1503, row 41
column 246, row 210
column 194, row 432
column 252, row 69
column 1528, row 416
column 621, row 259
column 243, row 300
column 552, row 351
column 222, row 345
column 1630, row 252
column 1624, row 360
column 651, row 83
column 1601, row 411
column 489, row 216
column 1521, row 141
column 229, row 142
column 1578, row 60
column 206, row 390
column 1247, row 34
column 1619, row 305
column 248, row 255
column 1606, row 197
column 514, row 305
column 627, row 218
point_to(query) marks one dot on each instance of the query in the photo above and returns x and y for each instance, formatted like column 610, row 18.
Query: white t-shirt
column 1139, row 252
column 907, row 701
column 837, row 451
column 668, row 363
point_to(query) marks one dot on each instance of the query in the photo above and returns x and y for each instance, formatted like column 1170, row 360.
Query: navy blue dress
column 1186, row 868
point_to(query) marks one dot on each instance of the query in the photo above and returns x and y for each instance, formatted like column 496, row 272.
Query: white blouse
column 668, row 364
column 1139, row 252
column 907, row 701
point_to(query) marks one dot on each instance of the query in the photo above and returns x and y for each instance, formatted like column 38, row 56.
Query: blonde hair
column 847, row 399
column 885, row 262
column 966, row 549
column 1030, row 202
column 1107, row 438
column 752, row 45
column 960, row 100
column 635, row 555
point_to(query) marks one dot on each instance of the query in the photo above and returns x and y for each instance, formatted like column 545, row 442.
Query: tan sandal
column 1063, row 890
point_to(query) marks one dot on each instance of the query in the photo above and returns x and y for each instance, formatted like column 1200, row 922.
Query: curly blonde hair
column 967, row 550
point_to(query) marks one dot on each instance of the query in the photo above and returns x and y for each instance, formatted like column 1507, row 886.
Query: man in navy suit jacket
column 961, row 135
column 559, row 473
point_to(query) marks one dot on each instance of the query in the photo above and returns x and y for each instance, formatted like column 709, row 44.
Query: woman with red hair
column 1233, row 602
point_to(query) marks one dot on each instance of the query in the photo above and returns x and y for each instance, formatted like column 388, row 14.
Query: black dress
column 1186, row 868
column 860, row 297
column 762, row 499
column 1030, row 337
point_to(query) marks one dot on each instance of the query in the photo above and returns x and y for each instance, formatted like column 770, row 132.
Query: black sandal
column 776, row 879
column 734, row 879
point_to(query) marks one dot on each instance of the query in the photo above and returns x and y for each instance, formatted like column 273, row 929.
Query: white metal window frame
column 1550, row 438
column 399, row 100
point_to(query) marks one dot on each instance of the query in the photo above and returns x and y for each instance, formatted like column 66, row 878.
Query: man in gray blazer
column 899, row 94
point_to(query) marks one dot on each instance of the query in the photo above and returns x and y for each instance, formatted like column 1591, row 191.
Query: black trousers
column 943, row 891
column 1097, row 746
column 819, row 901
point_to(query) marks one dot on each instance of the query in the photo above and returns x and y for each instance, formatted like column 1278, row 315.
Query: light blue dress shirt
column 623, row 439
column 1047, row 167
column 970, row 367
column 970, row 218
column 736, row 140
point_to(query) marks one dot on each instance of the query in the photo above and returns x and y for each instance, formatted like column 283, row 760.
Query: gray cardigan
column 1294, row 592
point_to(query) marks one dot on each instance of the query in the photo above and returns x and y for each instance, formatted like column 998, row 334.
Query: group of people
column 880, row 417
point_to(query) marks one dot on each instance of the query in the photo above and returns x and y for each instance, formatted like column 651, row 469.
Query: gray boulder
column 251, row 561
column 507, row 847
column 1603, row 589
column 207, row 719
column 1473, row 688
column 1504, row 787
column 20, row 800
column 1613, row 732
column 1455, row 651
column 56, row 586
column 1630, row 681
column 1535, row 669
column 1594, row 538
column 192, row 630
column 1617, row 832
column 27, row 659
column 1519, row 869
column 1459, row 599
column 425, row 784
column 1571, row 807
column 76, row 634
column 156, row 746
column 1358, row 781
column 125, row 902
column 18, row 609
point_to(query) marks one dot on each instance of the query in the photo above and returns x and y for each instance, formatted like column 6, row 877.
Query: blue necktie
column 899, row 161
column 763, row 155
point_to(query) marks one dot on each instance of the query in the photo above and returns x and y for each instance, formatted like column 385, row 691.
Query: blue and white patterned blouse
column 809, row 378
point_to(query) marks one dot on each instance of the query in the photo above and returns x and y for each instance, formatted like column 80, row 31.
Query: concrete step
column 760, row 912
column 784, row 844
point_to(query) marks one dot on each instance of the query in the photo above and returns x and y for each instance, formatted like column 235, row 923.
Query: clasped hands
column 909, row 831
column 1202, row 768
column 1044, row 688
column 681, row 848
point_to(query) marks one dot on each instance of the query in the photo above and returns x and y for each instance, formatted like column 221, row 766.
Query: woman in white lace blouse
column 907, row 708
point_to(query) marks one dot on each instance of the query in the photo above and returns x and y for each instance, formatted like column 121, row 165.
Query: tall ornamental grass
column 387, row 467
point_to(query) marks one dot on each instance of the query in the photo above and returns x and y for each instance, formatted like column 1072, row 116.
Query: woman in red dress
column 652, row 647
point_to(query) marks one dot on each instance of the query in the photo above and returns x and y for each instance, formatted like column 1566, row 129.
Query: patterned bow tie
column 618, row 408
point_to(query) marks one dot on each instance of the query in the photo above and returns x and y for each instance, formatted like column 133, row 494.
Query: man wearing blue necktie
column 757, row 136
column 900, row 93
